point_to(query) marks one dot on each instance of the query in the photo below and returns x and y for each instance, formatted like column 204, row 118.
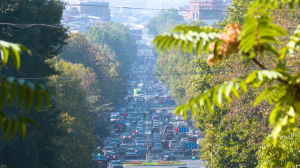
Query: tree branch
column 263, row 67
column 258, row 63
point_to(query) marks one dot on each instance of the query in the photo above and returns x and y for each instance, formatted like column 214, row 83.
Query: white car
column 156, row 123
column 150, row 89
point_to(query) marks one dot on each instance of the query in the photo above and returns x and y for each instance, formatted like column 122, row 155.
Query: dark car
column 187, row 152
column 135, row 120
column 182, row 135
column 169, row 135
column 163, row 111
column 126, row 136
column 192, row 138
column 165, row 144
column 154, row 129
column 166, row 155
column 111, row 156
column 152, row 111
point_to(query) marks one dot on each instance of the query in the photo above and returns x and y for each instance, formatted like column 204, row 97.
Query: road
column 147, row 126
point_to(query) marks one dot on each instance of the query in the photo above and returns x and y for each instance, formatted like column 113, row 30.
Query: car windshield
column 109, row 148
column 167, row 153
column 126, row 134
column 142, row 149
column 130, row 150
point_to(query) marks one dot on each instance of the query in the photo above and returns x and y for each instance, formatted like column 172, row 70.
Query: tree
column 101, row 60
column 45, row 42
column 71, row 99
column 252, row 41
column 199, row 23
column 157, row 22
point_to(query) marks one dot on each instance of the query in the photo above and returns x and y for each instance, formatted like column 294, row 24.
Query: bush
column 133, row 162
column 168, row 162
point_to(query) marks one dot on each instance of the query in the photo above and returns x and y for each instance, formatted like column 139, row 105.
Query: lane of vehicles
column 128, row 139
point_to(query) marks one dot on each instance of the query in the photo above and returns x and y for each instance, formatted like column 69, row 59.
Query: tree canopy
column 164, row 22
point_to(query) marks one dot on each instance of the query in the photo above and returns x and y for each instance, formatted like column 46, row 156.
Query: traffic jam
column 144, row 124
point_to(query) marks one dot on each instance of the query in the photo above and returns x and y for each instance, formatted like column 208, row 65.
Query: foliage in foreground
column 258, row 35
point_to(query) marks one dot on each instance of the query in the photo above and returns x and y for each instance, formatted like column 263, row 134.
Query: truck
column 137, row 92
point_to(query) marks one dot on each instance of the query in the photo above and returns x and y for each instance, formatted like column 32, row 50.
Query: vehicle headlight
column 124, row 137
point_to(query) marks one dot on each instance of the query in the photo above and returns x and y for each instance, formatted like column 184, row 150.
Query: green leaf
column 291, row 112
column 4, row 55
column 228, row 88
column 13, row 91
column 22, row 127
column 264, row 95
column 16, row 57
column 14, row 127
column 243, row 86
column 6, row 127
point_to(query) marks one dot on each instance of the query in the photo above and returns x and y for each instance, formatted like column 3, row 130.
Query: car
column 154, row 129
column 108, row 149
column 165, row 144
column 166, row 155
column 139, row 142
column 182, row 145
column 165, row 122
column 155, row 117
column 122, row 149
column 126, row 136
column 163, row 110
column 185, row 140
column 140, row 134
column 193, row 138
column 156, row 140
column 152, row 111
column 114, row 118
column 182, row 135
column 130, row 153
column 140, row 125
column 150, row 89
column 138, row 138
column 116, row 164
column 165, row 116
column 177, row 149
column 156, row 136
column 111, row 156
column 157, row 147
column 156, row 96
column 168, row 128
column 142, row 152
column 187, row 152
column 135, row 120
column 173, row 143
column 179, row 118
column 155, row 122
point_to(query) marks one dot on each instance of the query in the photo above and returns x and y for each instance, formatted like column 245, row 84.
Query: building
column 207, row 10
column 92, row 8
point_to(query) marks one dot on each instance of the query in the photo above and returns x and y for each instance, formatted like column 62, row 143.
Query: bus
column 137, row 92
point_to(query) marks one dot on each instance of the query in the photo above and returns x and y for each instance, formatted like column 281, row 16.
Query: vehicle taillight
column 114, row 157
